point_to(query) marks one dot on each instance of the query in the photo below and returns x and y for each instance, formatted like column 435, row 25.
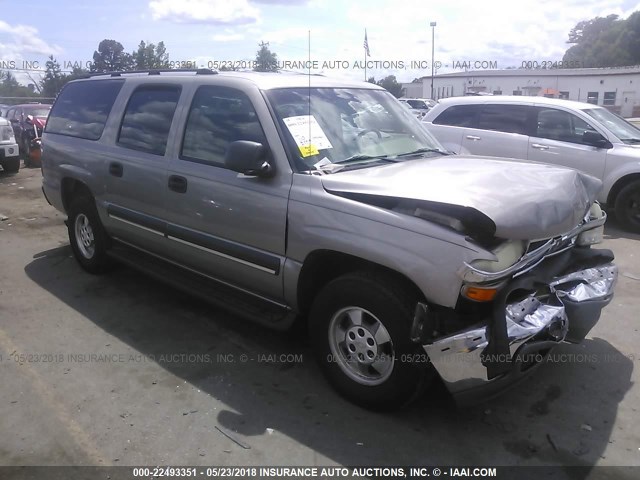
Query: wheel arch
column 619, row 185
column 71, row 188
column 322, row 266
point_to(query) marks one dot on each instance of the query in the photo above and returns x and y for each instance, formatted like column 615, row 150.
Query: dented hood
column 523, row 200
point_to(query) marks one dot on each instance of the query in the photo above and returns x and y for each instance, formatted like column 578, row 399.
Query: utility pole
column 433, row 50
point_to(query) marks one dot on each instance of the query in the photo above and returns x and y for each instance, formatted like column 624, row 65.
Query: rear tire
column 11, row 165
column 360, row 331
column 88, row 238
column 627, row 206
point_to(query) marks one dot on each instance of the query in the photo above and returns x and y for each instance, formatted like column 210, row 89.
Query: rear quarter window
column 81, row 110
column 458, row 116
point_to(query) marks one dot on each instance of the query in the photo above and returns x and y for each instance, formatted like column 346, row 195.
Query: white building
column 617, row 89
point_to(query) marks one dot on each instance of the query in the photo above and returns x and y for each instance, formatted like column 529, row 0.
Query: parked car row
column 419, row 106
column 27, row 122
column 285, row 197
column 560, row 132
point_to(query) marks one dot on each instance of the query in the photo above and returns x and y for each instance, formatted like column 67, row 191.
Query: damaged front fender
column 485, row 359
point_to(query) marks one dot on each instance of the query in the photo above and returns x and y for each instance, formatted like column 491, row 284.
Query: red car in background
column 28, row 121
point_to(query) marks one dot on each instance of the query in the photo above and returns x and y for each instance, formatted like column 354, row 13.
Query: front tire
column 627, row 207
column 11, row 165
column 360, row 331
column 89, row 241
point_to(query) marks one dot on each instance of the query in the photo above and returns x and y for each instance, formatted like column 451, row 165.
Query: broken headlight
column 506, row 253
column 594, row 235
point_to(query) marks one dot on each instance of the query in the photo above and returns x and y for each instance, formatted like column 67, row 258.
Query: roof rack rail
column 155, row 71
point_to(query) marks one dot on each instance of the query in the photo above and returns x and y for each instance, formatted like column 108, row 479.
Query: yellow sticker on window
column 308, row 150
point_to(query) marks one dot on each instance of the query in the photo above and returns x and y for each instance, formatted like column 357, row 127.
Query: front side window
column 504, row 118
column 217, row 117
column 346, row 125
column 458, row 116
column 560, row 125
column 82, row 108
column 147, row 119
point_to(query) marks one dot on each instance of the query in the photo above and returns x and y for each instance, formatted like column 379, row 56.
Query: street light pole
column 433, row 49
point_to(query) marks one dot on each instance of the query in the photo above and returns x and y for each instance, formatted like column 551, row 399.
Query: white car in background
column 9, row 152
column 578, row 135
column 419, row 106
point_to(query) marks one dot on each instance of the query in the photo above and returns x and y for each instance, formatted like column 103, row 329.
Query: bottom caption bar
column 269, row 472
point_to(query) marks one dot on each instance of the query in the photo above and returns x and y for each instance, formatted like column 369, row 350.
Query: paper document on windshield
column 308, row 134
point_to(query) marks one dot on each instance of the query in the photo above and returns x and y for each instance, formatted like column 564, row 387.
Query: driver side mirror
column 595, row 140
column 248, row 158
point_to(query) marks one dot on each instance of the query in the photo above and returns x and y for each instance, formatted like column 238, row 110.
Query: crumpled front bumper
column 566, row 299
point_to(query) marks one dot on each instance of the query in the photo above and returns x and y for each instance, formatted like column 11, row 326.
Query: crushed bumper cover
column 565, row 297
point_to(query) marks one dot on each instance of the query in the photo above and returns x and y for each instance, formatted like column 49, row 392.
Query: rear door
column 449, row 125
column 500, row 130
column 222, row 223
column 136, row 166
column 558, row 140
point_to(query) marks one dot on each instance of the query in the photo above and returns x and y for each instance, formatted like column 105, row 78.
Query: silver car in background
column 561, row 132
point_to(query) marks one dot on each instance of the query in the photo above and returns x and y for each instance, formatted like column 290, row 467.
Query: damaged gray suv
column 286, row 197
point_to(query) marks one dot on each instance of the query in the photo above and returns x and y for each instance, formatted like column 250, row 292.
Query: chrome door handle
column 473, row 137
column 540, row 146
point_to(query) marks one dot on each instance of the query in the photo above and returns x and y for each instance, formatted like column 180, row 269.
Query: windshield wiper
column 631, row 140
column 423, row 150
column 361, row 156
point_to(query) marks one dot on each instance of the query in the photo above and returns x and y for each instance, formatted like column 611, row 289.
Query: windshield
column 346, row 126
column 617, row 125
column 37, row 111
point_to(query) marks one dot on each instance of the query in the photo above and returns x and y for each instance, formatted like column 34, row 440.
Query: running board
column 233, row 300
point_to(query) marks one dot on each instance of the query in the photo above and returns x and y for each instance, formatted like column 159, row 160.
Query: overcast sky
column 503, row 31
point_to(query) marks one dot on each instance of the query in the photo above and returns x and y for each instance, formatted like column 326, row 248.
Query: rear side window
column 82, row 108
column 505, row 118
column 458, row 116
column 217, row 117
column 147, row 119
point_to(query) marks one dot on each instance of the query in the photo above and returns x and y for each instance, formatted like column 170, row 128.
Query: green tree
column 53, row 79
column 266, row 60
column 111, row 57
column 390, row 84
column 605, row 42
column 149, row 56
column 372, row 80
column 10, row 87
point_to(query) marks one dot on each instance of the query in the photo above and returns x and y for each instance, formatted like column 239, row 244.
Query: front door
column 558, row 140
column 222, row 223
